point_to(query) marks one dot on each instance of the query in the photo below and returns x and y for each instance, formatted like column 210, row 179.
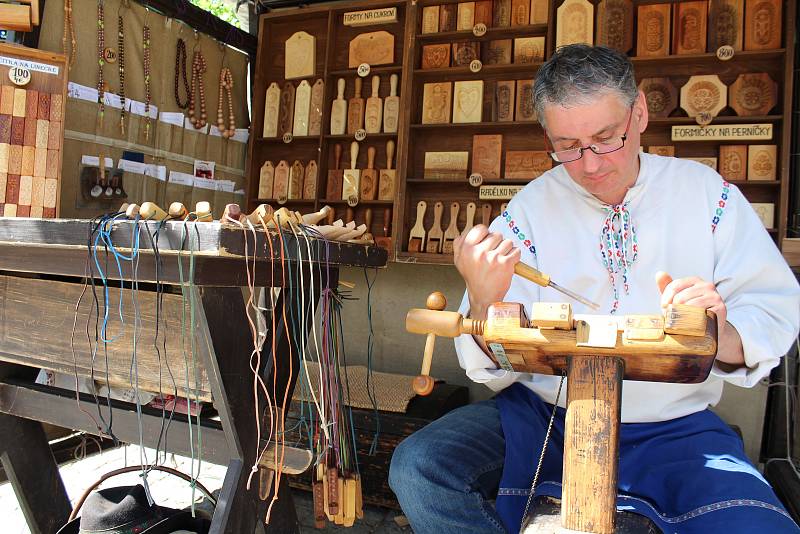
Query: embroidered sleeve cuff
column 479, row 367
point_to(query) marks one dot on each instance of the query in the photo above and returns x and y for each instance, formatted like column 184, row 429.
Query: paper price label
column 725, row 52
column 361, row 134
column 475, row 65
column 475, row 179
column 479, row 30
column 352, row 201
column 282, row 200
column 287, row 138
column 19, row 75
column 363, row 70
column 704, row 118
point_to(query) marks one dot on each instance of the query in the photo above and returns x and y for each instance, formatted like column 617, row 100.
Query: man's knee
column 403, row 466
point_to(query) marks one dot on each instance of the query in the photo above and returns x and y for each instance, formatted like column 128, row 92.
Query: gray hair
column 579, row 73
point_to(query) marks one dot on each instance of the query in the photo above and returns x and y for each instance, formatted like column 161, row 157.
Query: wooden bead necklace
column 198, row 68
column 226, row 85
column 101, row 61
column 147, row 94
column 69, row 27
column 121, row 69
column 180, row 73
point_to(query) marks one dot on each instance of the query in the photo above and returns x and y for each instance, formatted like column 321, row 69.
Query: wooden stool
column 596, row 352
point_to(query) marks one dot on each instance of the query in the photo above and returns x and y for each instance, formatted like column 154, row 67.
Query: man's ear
column 640, row 109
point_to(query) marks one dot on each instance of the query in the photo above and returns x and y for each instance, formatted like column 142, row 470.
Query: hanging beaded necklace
column 121, row 67
column 69, row 27
column 147, row 94
column 198, row 68
column 226, row 84
column 180, row 73
column 101, row 61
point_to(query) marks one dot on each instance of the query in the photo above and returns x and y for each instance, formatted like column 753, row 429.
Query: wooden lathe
column 596, row 352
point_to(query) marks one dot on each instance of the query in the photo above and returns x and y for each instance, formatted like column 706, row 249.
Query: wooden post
column 591, row 443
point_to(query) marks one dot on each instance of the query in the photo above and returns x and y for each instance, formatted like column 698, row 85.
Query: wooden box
column 653, row 30
column 689, row 27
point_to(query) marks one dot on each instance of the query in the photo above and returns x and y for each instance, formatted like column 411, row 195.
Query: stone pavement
column 173, row 492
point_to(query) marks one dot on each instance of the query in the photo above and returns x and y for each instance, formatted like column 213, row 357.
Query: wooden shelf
column 352, row 137
column 727, row 119
column 486, row 71
column 465, row 181
column 479, row 126
column 710, row 59
column 279, row 140
column 755, row 183
column 274, row 202
column 424, row 258
column 393, row 69
column 360, row 202
column 530, row 30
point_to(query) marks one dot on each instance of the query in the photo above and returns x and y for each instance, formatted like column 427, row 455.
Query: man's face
column 607, row 176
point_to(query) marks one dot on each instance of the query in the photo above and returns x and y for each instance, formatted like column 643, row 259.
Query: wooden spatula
column 373, row 114
column 416, row 237
column 355, row 110
column 435, row 234
column 452, row 230
column 369, row 177
column 471, row 207
column 333, row 191
column 339, row 110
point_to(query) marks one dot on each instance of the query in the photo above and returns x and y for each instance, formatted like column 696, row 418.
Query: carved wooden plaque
column 375, row 48
column 520, row 12
column 753, row 94
column 266, row 179
column 575, row 22
column 315, row 110
column 391, row 107
column 504, row 101
column 661, row 96
column 281, row 184
column 373, row 110
column 285, row 121
column 615, row 24
column 296, row 174
column 436, row 56
column 662, row 150
column 704, row 94
column 486, row 153
column 725, row 24
column 300, row 56
column 733, row 162
column 762, row 162
column 333, row 189
column 483, row 12
column 468, row 101
column 689, row 27
column 302, row 105
column 497, row 52
column 448, row 14
column 765, row 212
column 501, row 16
column 465, row 16
column 339, row 110
column 446, row 165
column 527, row 164
column 436, row 103
column 272, row 104
column 528, row 49
column 388, row 176
column 464, row 53
column 539, row 11
column 762, row 24
column 525, row 111
column 369, row 177
column 652, row 33
column 430, row 19
column 310, row 181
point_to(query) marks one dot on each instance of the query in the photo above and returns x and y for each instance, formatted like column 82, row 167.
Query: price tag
column 287, row 138
column 363, row 70
column 725, row 52
column 282, row 200
column 479, row 30
column 19, row 75
column 475, row 65
column 110, row 55
column 475, row 179
column 361, row 134
column 704, row 118
column 352, row 201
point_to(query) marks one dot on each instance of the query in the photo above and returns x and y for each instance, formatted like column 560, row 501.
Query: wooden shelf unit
column 414, row 138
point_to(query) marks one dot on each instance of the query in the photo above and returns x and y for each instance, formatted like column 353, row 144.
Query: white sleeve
column 760, row 292
column 478, row 366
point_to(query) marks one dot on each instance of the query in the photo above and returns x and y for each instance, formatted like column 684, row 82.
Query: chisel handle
column 529, row 273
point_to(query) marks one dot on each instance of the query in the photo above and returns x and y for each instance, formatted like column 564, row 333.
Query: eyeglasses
column 604, row 147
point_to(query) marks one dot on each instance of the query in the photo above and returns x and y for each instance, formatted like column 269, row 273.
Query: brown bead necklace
column 69, row 27
column 101, row 46
column 226, row 85
column 121, row 69
column 147, row 93
column 198, row 69
column 180, row 73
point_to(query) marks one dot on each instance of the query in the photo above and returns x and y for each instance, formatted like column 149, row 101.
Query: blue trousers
column 689, row 475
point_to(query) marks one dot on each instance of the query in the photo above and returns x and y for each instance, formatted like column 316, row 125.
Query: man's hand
column 697, row 292
column 693, row 291
column 486, row 262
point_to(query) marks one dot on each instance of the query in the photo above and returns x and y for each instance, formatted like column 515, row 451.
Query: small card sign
column 385, row 15
column 498, row 192
column 723, row 132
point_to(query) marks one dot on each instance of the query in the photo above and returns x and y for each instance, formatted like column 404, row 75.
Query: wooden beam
column 15, row 17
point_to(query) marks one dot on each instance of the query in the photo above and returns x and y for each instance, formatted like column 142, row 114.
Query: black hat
column 125, row 510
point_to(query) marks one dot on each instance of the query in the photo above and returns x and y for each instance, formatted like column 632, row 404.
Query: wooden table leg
column 33, row 472
column 591, row 443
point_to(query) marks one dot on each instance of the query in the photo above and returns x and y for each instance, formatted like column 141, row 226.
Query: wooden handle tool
column 202, row 210
column 150, row 211
column 232, row 212
column 263, row 211
column 423, row 384
column 178, row 211
column 435, row 234
column 537, row 277
column 416, row 237
column 471, row 208
column 486, row 214
column 451, row 233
